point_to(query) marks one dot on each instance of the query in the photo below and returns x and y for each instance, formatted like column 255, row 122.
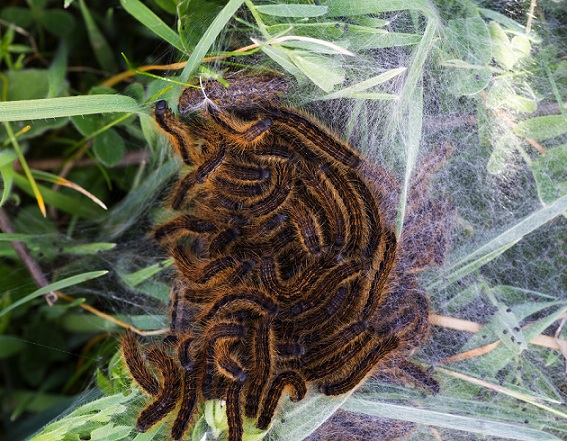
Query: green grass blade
column 151, row 21
column 61, row 284
column 80, row 323
column 134, row 279
column 66, row 106
column 413, row 78
column 7, row 173
column 205, row 43
column 501, row 243
column 7, row 157
column 102, row 50
column 34, row 190
column 412, row 140
column 89, row 248
column 503, row 20
column 440, row 419
column 292, row 10
column 58, row 70
column 135, row 204
column 96, row 413
column 352, row 91
column 346, row 8
column 302, row 419
column 542, row 128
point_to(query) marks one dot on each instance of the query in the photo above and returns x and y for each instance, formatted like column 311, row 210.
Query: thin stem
column 25, row 167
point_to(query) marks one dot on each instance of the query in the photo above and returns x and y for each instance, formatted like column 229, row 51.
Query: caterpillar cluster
column 290, row 273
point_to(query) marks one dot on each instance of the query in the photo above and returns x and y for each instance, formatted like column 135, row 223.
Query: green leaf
column 57, row 71
column 380, row 38
column 348, row 8
column 69, row 204
column 169, row 6
column 502, row 19
column 27, row 84
column 102, row 50
column 81, row 323
column 7, row 157
column 297, row 421
column 66, row 106
column 109, row 147
column 280, row 56
column 86, row 124
column 134, row 279
column 469, row 44
column 216, row 27
column 479, row 425
column 351, row 91
column 467, row 79
column 325, row 72
column 110, row 432
column 501, row 46
column 60, row 23
column 21, row 17
column 88, row 248
column 98, row 412
column 152, row 22
column 7, row 173
column 55, row 286
column 507, row 53
column 10, row 345
column 292, row 10
column 495, row 247
column 103, row 383
column 549, row 172
column 506, row 326
column 502, row 95
column 541, row 128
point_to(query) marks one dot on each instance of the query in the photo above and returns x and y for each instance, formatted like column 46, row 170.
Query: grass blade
column 66, row 106
column 102, row 50
column 151, row 21
column 289, row 11
column 501, row 243
column 304, row 418
column 61, row 284
column 351, row 91
column 345, row 8
column 30, row 179
column 134, row 279
column 205, row 43
column 446, row 420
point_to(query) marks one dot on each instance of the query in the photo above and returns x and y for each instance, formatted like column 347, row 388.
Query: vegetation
column 84, row 167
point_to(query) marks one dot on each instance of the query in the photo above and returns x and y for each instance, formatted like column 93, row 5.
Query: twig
column 115, row 79
column 530, row 16
column 27, row 259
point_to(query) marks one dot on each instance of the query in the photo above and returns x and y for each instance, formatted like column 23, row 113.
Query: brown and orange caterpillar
column 289, row 270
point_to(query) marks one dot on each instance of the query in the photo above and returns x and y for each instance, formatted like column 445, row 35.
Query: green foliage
column 388, row 71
